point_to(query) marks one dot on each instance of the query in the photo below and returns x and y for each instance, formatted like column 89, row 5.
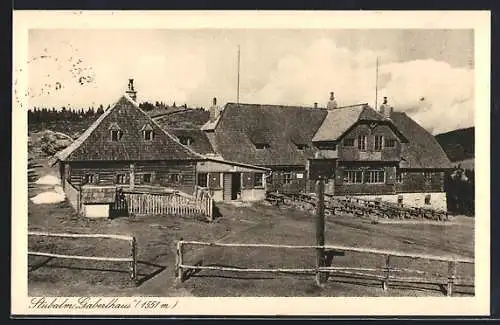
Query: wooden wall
column 414, row 181
column 162, row 173
column 352, row 153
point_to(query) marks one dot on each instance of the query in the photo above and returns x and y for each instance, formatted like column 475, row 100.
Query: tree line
column 43, row 114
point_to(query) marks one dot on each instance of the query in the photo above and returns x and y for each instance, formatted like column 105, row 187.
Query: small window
column 362, row 142
column 89, row 179
column 262, row 146
column 202, row 180
column 374, row 176
column 399, row 176
column 428, row 177
column 287, row 178
column 121, row 179
column 148, row 135
column 379, row 142
column 175, row 178
column 187, row 141
column 301, row 146
column 349, row 142
column 353, row 176
column 116, row 135
column 257, row 181
column 390, row 143
column 146, row 178
column 428, row 199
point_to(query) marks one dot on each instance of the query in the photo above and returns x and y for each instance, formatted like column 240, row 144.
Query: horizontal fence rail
column 131, row 259
column 385, row 274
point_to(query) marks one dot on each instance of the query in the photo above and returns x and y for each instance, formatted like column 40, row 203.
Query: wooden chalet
column 379, row 154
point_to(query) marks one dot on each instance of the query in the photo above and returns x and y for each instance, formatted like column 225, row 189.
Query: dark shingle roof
column 200, row 142
column 422, row 150
column 95, row 143
column 241, row 126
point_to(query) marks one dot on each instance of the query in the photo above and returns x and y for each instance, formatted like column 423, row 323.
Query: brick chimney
column 214, row 110
column 385, row 109
column 332, row 103
column 131, row 91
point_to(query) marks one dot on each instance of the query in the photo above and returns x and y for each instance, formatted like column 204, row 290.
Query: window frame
column 89, row 178
column 175, row 178
column 258, row 180
column 117, row 178
column 400, row 175
column 150, row 178
column 198, row 179
column 362, row 144
column 147, row 132
column 262, row 146
column 349, row 142
column 355, row 178
column 428, row 177
column 187, row 141
column 389, row 143
column 367, row 176
column 378, row 145
column 287, row 177
column 118, row 133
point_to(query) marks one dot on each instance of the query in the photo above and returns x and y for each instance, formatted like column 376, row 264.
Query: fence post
column 320, row 231
column 133, row 263
column 385, row 282
column 452, row 270
column 178, row 262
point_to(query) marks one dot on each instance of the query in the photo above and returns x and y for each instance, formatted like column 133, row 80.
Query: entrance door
column 236, row 185
column 227, row 187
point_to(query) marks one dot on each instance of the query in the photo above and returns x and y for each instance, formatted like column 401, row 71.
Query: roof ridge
column 133, row 102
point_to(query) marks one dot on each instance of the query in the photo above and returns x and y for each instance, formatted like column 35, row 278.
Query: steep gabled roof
column 338, row 121
column 341, row 120
column 95, row 143
column 422, row 150
column 242, row 126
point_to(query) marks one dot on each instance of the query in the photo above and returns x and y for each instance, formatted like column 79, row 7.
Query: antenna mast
column 376, row 85
column 238, row 85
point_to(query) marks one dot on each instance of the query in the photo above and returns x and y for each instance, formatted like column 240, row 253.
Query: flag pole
column 238, row 82
column 376, row 84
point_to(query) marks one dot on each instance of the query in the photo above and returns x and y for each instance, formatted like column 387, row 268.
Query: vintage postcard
column 250, row 163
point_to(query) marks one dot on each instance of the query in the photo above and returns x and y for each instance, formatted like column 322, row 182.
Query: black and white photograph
column 164, row 157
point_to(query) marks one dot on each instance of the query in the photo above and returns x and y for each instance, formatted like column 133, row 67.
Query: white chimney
column 214, row 110
column 131, row 91
column 385, row 109
column 315, row 105
column 332, row 103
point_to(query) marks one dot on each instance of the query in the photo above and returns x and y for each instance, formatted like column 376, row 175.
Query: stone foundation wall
column 437, row 199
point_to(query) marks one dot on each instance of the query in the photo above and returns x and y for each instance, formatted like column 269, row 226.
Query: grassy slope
column 157, row 236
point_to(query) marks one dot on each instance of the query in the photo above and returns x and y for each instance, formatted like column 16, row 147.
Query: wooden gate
column 119, row 208
column 228, row 186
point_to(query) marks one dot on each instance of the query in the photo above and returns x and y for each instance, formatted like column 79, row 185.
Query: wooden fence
column 131, row 259
column 73, row 195
column 387, row 274
column 174, row 203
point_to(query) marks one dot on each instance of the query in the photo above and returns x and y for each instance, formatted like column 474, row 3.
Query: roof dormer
column 147, row 132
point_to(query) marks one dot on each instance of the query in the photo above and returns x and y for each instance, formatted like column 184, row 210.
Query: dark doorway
column 235, row 185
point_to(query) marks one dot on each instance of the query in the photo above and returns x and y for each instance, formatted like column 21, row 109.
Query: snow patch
column 48, row 180
column 50, row 197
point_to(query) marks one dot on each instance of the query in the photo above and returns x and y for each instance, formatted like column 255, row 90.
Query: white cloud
column 309, row 76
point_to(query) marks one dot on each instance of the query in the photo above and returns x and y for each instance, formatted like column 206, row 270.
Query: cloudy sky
column 426, row 73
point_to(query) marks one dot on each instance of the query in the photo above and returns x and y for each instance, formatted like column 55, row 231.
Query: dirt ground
column 257, row 223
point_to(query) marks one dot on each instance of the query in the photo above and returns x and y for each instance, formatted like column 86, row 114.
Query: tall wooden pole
column 238, row 85
column 376, row 85
column 320, row 230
